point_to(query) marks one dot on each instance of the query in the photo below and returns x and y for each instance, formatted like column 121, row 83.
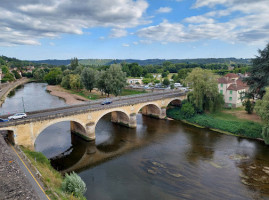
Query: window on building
column 221, row 85
column 230, row 98
column 231, row 92
column 221, row 91
column 230, row 105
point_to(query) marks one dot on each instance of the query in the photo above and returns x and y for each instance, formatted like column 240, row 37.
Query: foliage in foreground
column 51, row 178
column 241, row 128
column 74, row 184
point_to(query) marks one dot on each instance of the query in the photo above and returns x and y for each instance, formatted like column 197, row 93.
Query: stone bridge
column 84, row 117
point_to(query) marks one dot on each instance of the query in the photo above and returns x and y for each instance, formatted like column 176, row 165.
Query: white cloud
column 116, row 33
column 125, row 45
column 249, row 25
column 52, row 44
column 135, row 43
column 26, row 21
column 164, row 10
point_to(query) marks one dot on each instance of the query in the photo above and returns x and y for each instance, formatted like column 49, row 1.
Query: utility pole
column 23, row 105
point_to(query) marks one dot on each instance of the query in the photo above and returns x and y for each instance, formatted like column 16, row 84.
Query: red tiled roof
column 225, row 80
column 231, row 75
column 241, row 83
column 236, row 87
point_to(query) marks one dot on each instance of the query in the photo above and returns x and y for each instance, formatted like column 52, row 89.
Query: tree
column 39, row 74
column 66, row 82
column 166, row 82
column 259, row 73
column 249, row 106
column 262, row 109
column 187, row 110
column 8, row 77
column 75, row 82
column 74, row 63
column 73, row 184
column 205, row 95
column 88, row 78
column 5, row 69
column 54, row 77
column 16, row 74
column 115, row 79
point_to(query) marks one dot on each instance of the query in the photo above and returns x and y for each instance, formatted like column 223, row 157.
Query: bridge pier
column 87, row 133
column 123, row 119
column 163, row 113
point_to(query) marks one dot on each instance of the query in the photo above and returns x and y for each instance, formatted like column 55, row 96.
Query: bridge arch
column 117, row 116
column 150, row 109
column 174, row 102
column 76, row 126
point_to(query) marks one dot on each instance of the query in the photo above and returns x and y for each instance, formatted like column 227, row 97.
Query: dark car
column 107, row 101
column 3, row 120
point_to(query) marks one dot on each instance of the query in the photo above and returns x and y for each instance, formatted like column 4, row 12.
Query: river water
column 160, row 159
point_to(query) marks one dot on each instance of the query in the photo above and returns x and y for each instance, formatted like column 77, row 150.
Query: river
column 160, row 159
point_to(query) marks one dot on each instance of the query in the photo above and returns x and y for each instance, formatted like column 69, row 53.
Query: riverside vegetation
column 71, row 187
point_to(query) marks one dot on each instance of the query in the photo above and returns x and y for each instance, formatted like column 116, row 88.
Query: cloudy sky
column 138, row 29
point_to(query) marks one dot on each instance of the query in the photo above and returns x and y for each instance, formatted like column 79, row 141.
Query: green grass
column 126, row 92
column 87, row 94
column 222, row 121
column 51, row 178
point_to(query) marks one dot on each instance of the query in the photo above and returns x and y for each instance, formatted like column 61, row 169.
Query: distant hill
column 53, row 62
column 100, row 62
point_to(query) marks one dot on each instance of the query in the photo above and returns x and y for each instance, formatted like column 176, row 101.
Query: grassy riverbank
column 221, row 121
column 51, row 178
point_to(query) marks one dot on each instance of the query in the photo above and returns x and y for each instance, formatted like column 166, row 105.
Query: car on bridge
column 3, row 120
column 17, row 116
column 106, row 102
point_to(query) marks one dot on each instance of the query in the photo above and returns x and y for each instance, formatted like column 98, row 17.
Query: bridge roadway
column 92, row 106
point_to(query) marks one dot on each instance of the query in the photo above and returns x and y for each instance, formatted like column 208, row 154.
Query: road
column 92, row 106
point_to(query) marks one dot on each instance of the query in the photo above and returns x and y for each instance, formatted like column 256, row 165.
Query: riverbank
column 222, row 123
column 9, row 87
column 69, row 98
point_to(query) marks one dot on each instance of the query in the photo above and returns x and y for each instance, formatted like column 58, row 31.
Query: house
column 232, row 88
column 133, row 81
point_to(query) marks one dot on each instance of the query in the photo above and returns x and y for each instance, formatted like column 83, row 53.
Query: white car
column 17, row 116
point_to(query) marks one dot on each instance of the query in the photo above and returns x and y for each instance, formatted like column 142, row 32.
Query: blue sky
column 141, row 29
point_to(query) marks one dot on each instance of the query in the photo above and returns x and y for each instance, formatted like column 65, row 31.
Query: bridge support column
column 163, row 113
column 86, row 133
column 90, row 131
column 132, row 122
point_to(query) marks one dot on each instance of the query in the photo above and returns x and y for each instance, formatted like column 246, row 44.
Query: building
column 133, row 81
column 233, row 89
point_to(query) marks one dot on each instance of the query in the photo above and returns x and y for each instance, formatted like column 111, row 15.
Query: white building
column 232, row 89
column 133, row 81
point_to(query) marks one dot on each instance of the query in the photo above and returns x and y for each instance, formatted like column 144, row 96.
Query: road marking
column 29, row 171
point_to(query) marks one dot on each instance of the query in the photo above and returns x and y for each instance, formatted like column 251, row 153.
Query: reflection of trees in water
column 201, row 142
column 11, row 93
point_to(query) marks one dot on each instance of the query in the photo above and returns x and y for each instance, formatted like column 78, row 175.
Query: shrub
column 74, row 184
column 187, row 110
column 265, row 134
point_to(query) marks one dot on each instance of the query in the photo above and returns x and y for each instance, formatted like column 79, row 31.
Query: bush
column 74, row 184
column 187, row 110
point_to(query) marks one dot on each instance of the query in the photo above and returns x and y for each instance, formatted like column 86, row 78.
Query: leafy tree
column 5, row 69
column 8, row 77
column 259, row 73
column 74, row 63
column 187, row 110
column 249, row 106
column 54, row 77
column 16, row 74
column 205, row 95
column 101, row 76
column 88, row 78
column 66, row 82
column 165, row 74
column 115, row 79
column 75, row 82
column 39, row 74
column 172, row 86
column 146, row 80
column 157, row 81
column 166, row 82
column 262, row 109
